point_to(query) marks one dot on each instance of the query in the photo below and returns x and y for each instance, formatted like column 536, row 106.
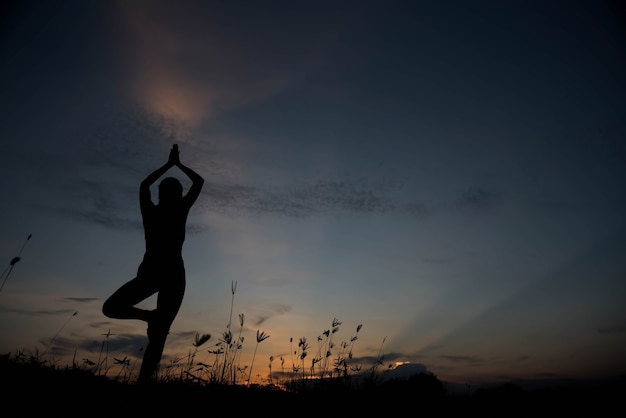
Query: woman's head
column 170, row 190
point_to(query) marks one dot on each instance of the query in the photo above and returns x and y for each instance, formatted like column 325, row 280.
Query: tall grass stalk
column 125, row 372
column 199, row 340
column 345, row 355
column 270, row 367
column 260, row 336
column 101, row 361
column 303, row 346
column 239, row 347
column 325, row 350
column 58, row 332
column 379, row 360
column 228, row 366
column 7, row 272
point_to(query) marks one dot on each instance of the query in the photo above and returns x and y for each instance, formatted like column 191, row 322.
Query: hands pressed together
column 174, row 158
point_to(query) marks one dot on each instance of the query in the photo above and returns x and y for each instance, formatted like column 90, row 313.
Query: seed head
column 201, row 339
column 261, row 336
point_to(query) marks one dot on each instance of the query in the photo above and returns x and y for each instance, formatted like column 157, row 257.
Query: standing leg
column 169, row 301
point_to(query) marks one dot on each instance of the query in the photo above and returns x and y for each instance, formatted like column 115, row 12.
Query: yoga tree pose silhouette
column 162, row 269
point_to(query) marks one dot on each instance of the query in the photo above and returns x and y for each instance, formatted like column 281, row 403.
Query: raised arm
column 173, row 161
column 196, row 181
column 144, row 188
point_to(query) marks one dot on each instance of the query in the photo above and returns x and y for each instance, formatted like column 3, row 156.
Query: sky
column 447, row 177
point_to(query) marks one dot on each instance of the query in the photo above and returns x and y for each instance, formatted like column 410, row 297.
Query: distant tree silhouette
column 422, row 386
column 506, row 391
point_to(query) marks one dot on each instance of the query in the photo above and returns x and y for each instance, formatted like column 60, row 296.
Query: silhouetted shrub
column 422, row 386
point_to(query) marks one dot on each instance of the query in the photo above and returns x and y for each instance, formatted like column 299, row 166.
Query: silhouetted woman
column 162, row 269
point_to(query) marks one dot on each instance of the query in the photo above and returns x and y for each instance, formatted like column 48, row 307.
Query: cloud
column 463, row 359
column 342, row 195
column 418, row 210
column 37, row 312
column 123, row 144
column 321, row 197
column 81, row 300
column 404, row 371
column 479, row 198
column 105, row 219
column 189, row 64
column 135, row 135
column 112, row 343
column 276, row 309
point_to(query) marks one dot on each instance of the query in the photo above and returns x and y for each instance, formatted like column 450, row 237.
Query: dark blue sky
column 448, row 174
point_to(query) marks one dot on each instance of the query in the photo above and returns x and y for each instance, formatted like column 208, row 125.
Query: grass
column 35, row 386
column 324, row 378
column 27, row 375
column 221, row 359
column 313, row 371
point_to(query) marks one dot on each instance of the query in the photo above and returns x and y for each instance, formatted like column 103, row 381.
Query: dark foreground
column 30, row 389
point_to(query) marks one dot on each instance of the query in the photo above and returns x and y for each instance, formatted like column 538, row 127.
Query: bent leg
column 121, row 304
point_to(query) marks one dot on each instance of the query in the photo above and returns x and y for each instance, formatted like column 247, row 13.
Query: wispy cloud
column 321, row 197
column 140, row 138
column 463, row 359
column 39, row 312
column 186, row 63
column 126, row 343
column 479, row 197
column 261, row 316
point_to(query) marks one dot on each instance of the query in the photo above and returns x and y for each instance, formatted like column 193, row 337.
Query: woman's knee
column 108, row 309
